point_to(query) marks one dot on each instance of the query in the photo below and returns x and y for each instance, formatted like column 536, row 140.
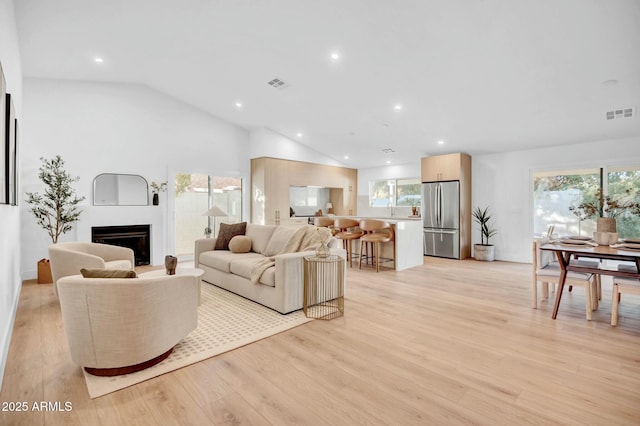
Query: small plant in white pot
column 484, row 251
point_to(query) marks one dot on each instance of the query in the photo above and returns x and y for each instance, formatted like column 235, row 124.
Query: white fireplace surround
column 127, row 216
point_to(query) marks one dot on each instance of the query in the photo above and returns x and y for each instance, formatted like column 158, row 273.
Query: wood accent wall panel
column 272, row 177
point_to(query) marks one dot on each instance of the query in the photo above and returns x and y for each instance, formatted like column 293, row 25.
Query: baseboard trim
column 8, row 332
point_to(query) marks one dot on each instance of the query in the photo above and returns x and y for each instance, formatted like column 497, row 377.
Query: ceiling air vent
column 388, row 150
column 276, row 83
column 620, row 113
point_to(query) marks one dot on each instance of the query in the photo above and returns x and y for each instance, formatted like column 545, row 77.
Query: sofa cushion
column 221, row 259
column 260, row 236
column 227, row 232
column 279, row 239
column 107, row 273
column 243, row 267
column 240, row 244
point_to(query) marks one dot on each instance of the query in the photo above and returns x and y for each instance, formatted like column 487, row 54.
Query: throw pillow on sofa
column 107, row 273
column 227, row 232
column 240, row 244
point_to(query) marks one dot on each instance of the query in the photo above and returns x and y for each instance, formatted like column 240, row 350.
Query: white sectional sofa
column 280, row 287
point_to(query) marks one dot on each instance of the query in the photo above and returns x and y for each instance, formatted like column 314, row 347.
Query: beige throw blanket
column 306, row 238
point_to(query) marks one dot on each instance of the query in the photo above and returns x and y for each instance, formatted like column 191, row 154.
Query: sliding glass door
column 623, row 186
column 195, row 194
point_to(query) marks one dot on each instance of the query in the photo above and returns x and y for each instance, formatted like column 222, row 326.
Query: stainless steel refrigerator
column 441, row 219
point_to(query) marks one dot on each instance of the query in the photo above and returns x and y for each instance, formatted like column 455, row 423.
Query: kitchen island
column 408, row 235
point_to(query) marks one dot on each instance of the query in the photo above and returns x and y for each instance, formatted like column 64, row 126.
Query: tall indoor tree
column 57, row 209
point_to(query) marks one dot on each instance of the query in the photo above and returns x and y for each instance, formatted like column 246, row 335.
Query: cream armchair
column 68, row 258
column 121, row 325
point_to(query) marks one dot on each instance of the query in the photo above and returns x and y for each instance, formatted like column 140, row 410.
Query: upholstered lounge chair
column 121, row 325
column 68, row 258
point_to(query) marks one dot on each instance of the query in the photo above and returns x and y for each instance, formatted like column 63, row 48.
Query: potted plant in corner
column 57, row 209
column 484, row 251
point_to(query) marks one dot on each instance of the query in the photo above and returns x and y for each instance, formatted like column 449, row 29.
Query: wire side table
column 323, row 287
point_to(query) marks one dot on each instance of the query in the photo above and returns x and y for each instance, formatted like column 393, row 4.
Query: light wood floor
column 451, row 342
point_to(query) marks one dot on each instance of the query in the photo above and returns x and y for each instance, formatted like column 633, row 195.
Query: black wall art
column 10, row 152
column 3, row 139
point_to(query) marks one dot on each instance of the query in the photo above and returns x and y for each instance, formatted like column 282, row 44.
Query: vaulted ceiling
column 481, row 76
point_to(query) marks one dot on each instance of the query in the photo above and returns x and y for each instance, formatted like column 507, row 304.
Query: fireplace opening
column 136, row 237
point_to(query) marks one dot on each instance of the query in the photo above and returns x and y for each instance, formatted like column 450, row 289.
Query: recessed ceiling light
column 335, row 56
column 346, row 157
column 397, row 107
column 388, row 161
column 299, row 134
column 239, row 105
column 98, row 60
column 440, row 142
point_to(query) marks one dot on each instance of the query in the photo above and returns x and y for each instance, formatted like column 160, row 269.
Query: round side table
column 323, row 287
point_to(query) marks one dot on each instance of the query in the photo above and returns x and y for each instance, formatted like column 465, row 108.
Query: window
column 194, row 195
column 623, row 185
column 557, row 195
column 408, row 192
column 554, row 193
column 395, row 192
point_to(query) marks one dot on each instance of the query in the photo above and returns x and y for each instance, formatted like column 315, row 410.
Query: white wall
column 10, row 280
column 267, row 143
column 503, row 182
column 119, row 128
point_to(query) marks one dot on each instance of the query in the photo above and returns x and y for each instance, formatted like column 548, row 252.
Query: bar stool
column 325, row 222
column 347, row 230
column 376, row 233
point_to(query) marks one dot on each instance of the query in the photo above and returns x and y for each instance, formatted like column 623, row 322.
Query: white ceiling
column 483, row 75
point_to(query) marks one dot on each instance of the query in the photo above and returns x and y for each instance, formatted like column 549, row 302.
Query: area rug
column 225, row 322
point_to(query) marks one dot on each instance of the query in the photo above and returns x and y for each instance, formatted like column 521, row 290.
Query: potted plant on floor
column 484, row 251
column 57, row 209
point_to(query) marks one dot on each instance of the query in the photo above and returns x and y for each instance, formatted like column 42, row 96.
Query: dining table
column 566, row 252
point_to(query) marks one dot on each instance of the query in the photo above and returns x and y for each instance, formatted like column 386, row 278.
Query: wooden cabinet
column 269, row 191
column 441, row 168
column 449, row 167
column 272, row 177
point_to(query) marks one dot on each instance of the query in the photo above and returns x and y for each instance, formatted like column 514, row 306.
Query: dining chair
column 376, row 232
column 622, row 285
column 597, row 294
column 546, row 271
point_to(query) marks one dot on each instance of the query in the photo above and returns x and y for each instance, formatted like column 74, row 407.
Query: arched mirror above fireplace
column 112, row 189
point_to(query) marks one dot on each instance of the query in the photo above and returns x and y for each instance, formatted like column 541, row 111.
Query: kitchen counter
column 409, row 237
